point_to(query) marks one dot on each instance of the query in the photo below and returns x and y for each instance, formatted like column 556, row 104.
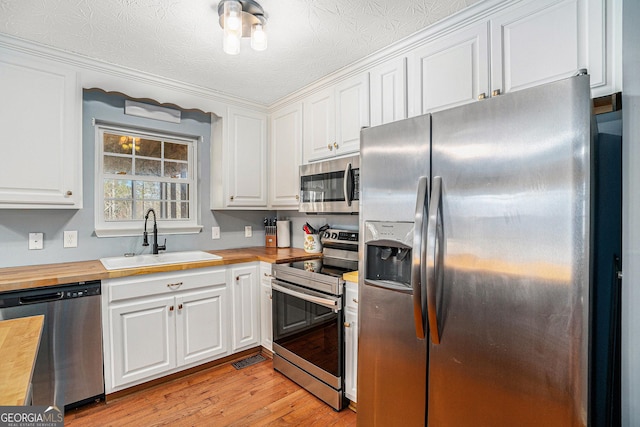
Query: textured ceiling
column 181, row 39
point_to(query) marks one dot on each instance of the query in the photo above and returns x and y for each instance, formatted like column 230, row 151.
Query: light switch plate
column 248, row 231
column 215, row 232
column 70, row 239
column 36, row 241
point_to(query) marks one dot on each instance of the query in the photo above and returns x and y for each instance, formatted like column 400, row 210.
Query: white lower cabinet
column 351, row 341
column 244, row 286
column 266, row 319
column 157, row 324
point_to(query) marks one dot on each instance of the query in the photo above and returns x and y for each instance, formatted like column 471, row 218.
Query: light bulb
column 258, row 37
column 231, row 43
column 232, row 16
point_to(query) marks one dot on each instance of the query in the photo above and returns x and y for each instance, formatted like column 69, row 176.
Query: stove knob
column 334, row 235
column 326, row 235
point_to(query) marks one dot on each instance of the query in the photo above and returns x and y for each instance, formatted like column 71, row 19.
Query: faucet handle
column 163, row 247
column 145, row 241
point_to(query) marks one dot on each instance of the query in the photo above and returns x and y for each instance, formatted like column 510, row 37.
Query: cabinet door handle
column 231, row 198
column 270, row 296
column 482, row 96
column 347, row 324
column 330, row 147
column 355, row 300
column 180, row 306
column 174, row 285
column 171, row 308
column 267, row 275
column 69, row 193
column 297, row 197
column 237, row 278
column 336, row 146
column 496, row 92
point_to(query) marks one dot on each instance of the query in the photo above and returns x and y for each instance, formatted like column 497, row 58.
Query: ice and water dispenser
column 388, row 254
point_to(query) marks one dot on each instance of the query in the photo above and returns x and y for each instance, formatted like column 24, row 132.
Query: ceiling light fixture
column 242, row 18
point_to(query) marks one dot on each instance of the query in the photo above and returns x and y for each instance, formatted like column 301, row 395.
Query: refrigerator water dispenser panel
column 388, row 254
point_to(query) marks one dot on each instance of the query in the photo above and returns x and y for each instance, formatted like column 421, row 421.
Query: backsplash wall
column 15, row 224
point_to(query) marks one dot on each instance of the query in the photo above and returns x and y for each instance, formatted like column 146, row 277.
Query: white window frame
column 136, row 227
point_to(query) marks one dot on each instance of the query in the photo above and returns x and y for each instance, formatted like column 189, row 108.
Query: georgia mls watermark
column 31, row 416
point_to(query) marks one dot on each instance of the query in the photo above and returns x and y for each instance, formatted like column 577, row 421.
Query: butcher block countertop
column 36, row 276
column 19, row 343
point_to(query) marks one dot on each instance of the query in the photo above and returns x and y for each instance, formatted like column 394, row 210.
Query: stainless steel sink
column 148, row 260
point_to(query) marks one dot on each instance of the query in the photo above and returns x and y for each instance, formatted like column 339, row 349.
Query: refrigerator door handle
column 346, row 184
column 432, row 263
column 417, row 277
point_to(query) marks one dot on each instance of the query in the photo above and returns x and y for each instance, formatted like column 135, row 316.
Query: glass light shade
column 258, row 37
column 231, row 42
column 233, row 16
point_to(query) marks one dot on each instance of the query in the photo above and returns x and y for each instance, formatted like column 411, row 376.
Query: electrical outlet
column 248, row 231
column 70, row 239
column 36, row 241
column 215, row 232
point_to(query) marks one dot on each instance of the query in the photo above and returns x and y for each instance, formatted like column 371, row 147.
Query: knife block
column 270, row 240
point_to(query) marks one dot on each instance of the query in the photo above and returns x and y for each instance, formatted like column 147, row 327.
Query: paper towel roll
column 283, row 232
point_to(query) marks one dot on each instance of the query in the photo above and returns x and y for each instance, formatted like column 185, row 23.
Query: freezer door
column 392, row 368
column 512, row 306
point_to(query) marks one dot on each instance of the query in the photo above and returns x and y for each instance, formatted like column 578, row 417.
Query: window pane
column 117, row 165
column 117, row 189
column 177, row 210
column 176, row 170
column 142, row 207
column 146, row 167
column 117, row 210
column 149, row 148
column 147, row 190
column 174, row 191
column 120, row 144
column 175, row 151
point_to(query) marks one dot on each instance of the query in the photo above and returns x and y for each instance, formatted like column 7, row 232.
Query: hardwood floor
column 221, row 396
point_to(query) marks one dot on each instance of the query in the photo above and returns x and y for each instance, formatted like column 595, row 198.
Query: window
column 137, row 170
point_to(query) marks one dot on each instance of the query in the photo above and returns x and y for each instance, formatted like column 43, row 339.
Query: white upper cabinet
column 285, row 155
column 333, row 118
column 40, row 125
column 389, row 91
column 541, row 42
column 319, row 125
column 449, row 71
column 243, row 160
column 527, row 44
column 352, row 113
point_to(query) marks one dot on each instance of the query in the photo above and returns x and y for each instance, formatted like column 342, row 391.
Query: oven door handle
column 331, row 303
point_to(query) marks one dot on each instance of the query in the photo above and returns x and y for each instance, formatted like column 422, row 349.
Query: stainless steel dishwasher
column 68, row 370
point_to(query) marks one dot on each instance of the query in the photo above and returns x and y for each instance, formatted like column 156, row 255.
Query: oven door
column 307, row 331
column 331, row 186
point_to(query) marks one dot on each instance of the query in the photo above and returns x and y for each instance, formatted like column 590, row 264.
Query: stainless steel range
column 308, row 317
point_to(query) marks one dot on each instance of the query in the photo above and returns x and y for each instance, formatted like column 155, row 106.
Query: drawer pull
column 267, row 275
column 347, row 324
column 174, row 285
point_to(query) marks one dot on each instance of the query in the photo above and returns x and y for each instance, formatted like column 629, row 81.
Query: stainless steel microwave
column 331, row 186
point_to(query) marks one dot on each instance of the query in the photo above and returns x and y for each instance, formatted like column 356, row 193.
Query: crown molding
column 94, row 71
column 466, row 17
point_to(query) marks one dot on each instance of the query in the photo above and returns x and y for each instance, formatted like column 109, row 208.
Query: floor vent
column 248, row 361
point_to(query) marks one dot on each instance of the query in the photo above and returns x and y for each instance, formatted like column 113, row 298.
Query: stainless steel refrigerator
column 475, row 263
